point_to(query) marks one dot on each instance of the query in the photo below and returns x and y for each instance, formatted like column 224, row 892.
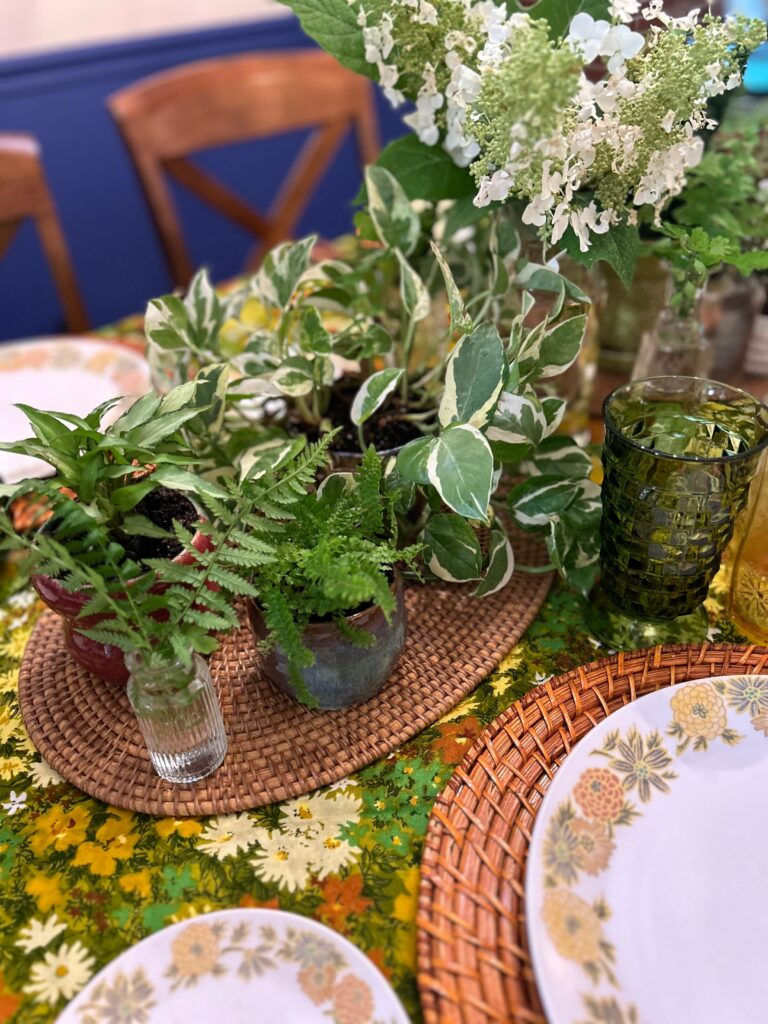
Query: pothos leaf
column 396, row 223
column 501, row 562
column 413, row 291
column 460, row 320
column 452, row 549
column 460, row 468
column 475, row 376
column 374, row 391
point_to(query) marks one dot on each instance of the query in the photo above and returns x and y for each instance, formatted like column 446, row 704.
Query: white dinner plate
column 239, row 967
column 645, row 889
column 65, row 374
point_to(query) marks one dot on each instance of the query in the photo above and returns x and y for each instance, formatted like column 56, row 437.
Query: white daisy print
column 225, row 836
column 60, row 974
column 39, row 933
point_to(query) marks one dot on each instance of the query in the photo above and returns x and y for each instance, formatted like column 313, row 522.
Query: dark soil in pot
column 161, row 506
column 387, row 431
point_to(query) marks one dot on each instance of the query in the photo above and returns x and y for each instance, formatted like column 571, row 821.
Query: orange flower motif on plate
column 594, row 845
column 699, row 711
column 352, row 1001
column 573, row 926
column 195, row 951
column 600, row 794
column 317, row 982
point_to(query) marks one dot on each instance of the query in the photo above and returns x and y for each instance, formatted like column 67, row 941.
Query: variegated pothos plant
column 479, row 398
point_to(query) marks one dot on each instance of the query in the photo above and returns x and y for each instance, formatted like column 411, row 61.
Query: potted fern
column 165, row 615
column 329, row 614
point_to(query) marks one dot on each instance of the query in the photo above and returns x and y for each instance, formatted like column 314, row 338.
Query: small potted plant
column 164, row 614
column 330, row 615
column 131, row 479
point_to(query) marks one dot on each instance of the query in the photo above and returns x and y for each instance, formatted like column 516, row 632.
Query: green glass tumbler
column 679, row 456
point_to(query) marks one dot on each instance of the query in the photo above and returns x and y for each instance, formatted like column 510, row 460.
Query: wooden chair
column 24, row 195
column 165, row 118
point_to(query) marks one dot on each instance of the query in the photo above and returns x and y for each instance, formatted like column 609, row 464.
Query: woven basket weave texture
column 85, row 729
column 474, row 963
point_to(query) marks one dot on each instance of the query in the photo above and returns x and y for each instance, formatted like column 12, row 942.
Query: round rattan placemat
column 85, row 730
column 474, row 964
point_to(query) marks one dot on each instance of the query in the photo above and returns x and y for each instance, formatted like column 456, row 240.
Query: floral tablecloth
column 82, row 881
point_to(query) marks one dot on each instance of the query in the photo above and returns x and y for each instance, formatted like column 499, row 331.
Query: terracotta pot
column 104, row 660
column 342, row 674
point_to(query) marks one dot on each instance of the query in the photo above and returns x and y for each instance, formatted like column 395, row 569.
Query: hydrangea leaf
column 425, row 172
column 560, row 13
column 620, row 247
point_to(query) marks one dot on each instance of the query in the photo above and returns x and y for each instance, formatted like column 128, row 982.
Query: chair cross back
column 168, row 117
column 24, row 195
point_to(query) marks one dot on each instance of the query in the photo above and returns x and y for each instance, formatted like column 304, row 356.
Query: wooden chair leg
column 57, row 254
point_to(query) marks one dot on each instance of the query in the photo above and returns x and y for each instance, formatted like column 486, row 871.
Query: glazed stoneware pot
column 104, row 660
column 342, row 674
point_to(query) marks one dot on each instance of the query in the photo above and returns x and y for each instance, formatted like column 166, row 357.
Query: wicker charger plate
column 474, row 964
column 86, row 731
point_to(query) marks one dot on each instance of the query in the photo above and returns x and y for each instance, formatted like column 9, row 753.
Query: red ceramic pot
column 104, row 660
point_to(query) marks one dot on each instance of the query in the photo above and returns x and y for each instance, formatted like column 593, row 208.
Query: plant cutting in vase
column 163, row 614
column 330, row 613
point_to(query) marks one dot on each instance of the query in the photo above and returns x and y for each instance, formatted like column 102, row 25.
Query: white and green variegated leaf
column 373, row 393
column 166, row 324
column 314, row 337
column 559, row 456
column 413, row 291
column 460, row 319
column 204, row 307
column 452, row 549
column 460, row 468
column 295, row 376
column 334, row 485
column 282, row 270
column 560, row 346
column 501, row 562
column 554, row 410
column 267, row 457
column 518, row 420
column 474, row 378
column 412, row 460
column 396, row 223
column 535, row 501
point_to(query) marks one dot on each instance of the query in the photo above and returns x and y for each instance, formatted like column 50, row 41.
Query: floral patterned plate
column 65, row 374
column 237, row 967
column 645, row 886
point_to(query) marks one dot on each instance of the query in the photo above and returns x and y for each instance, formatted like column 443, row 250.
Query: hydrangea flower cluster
column 516, row 105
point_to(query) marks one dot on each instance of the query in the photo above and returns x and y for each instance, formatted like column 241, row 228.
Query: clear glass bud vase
column 179, row 716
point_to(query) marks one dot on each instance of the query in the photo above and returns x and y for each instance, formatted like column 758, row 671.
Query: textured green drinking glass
column 679, row 456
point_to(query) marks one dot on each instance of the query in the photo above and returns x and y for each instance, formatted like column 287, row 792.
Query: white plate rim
column 561, row 785
column 367, row 967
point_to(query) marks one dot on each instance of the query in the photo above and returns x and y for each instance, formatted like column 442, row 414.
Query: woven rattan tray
column 84, row 728
column 474, row 965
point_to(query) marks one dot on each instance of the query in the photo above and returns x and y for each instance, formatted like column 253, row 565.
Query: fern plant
column 334, row 554
column 166, row 610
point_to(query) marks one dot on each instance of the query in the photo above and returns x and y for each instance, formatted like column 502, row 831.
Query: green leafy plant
column 168, row 610
column 112, row 469
column 334, row 554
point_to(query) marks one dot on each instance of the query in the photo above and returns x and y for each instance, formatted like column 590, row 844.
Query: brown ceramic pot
column 342, row 674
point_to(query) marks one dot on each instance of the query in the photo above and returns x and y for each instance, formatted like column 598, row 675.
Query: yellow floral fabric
column 82, row 881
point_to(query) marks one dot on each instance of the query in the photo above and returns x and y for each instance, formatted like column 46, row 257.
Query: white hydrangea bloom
column 619, row 45
column 586, row 36
column 494, row 189
column 624, row 10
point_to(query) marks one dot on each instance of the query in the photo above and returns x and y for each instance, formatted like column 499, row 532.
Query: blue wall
column 60, row 99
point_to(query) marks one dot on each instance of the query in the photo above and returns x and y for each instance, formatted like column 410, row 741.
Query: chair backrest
column 24, row 195
column 165, row 118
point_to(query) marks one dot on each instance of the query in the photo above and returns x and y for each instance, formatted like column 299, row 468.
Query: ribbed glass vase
column 179, row 716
